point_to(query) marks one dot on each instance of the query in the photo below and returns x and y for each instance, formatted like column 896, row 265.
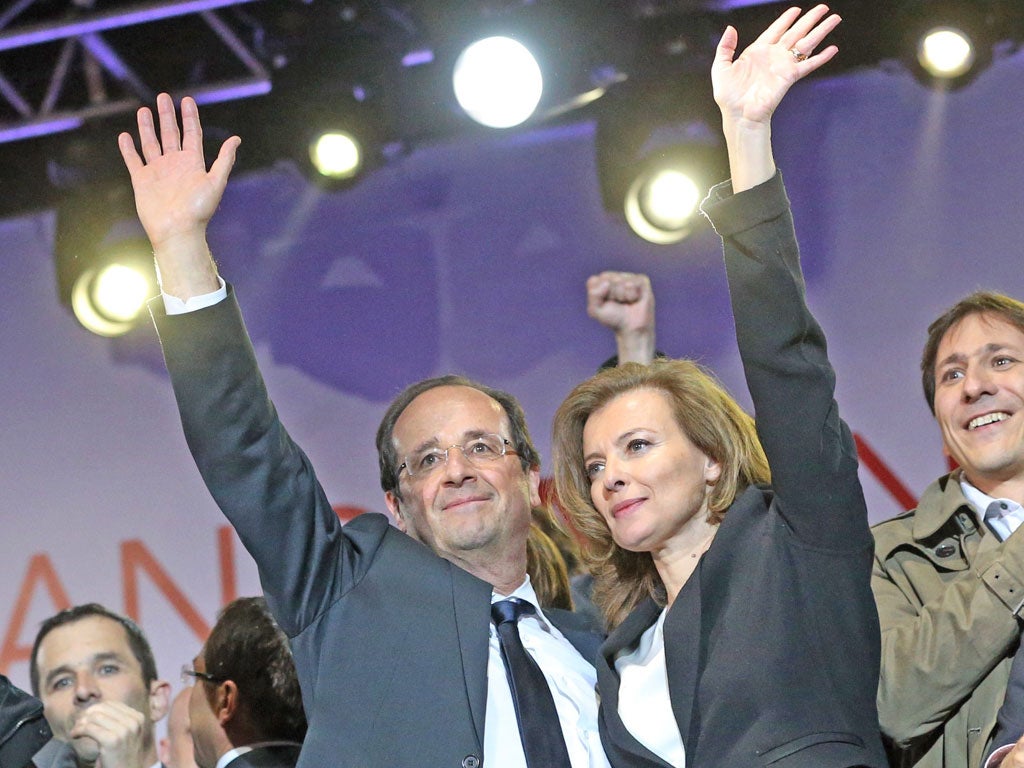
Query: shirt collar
column 231, row 754
column 993, row 508
column 525, row 592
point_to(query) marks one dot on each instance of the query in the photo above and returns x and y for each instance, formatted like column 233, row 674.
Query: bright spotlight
column 497, row 82
column 661, row 204
column 121, row 291
column 945, row 52
column 109, row 299
column 336, row 155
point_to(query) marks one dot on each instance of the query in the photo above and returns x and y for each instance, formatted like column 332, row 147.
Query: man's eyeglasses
column 189, row 675
column 480, row 450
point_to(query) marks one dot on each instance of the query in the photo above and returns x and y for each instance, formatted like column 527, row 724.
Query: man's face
column 979, row 401
column 203, row 721
column 462, row 510
column 83, row 664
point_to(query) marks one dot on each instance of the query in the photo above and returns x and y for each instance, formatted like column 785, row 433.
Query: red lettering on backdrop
column 346, row 512
column 135, row 557
column 40, row 570
column 884, row 474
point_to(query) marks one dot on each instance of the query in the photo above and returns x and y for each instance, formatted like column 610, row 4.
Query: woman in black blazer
column 744, row 628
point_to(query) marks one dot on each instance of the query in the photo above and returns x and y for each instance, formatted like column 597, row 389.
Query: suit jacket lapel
column 472, row 599
column 578, row 630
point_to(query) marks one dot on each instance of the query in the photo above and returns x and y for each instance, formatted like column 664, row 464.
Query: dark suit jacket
column 390, row 640
column 772, row 646
column 1010, row 719
column 280, row 756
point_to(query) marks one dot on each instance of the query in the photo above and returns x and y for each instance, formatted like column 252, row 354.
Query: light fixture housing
column 658, row 153
column 104, row 262
column 947, row 44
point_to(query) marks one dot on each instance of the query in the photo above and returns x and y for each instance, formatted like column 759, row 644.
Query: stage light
column 109, row 298
column 658, row 154
column 945, row 52
column 336, row 154
column 497, row 82
column 333, row 135
column 946, row 44
column 661, row 204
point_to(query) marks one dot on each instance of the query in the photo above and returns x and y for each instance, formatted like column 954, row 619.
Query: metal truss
column 101, row 62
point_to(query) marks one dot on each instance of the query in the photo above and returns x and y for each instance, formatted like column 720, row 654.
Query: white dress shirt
column 572, row 680
column 644, row 703
column 175, row 306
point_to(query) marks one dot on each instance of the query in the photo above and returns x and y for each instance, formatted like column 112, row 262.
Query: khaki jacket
column 950, row 598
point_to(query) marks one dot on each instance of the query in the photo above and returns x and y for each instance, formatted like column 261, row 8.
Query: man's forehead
column 974, row 332
column 450, row 412
column 83, row 639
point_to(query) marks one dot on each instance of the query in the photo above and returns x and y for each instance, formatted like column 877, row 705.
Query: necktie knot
column 510, row 610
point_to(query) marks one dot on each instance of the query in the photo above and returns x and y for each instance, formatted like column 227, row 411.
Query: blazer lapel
column 624, row 636
column 472, row 600
column 683, row 657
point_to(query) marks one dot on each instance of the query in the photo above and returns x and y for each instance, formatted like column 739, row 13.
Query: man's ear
column 393, row 505
column 225, row 703
column 533, row 476
column 159, row 699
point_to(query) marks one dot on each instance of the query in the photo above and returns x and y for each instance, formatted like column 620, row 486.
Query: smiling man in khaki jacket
column 949, row 576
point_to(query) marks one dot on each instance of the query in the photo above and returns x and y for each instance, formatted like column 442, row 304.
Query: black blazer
column 390, row 640
column 772, row 647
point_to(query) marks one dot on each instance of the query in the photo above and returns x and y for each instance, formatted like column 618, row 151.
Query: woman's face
column 647, row 479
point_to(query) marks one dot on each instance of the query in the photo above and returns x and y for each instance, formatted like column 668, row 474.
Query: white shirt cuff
column 175, row 306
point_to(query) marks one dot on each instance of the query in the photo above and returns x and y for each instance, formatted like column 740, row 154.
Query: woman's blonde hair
column 549, row 574
column 706, row 414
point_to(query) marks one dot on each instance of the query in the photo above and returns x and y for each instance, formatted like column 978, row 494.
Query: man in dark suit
column 94, row 671
column 393, row 640
column 246, row 708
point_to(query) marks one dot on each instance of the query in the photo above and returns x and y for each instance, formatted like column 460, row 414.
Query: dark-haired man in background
column 246, row 706
column 95, row 674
